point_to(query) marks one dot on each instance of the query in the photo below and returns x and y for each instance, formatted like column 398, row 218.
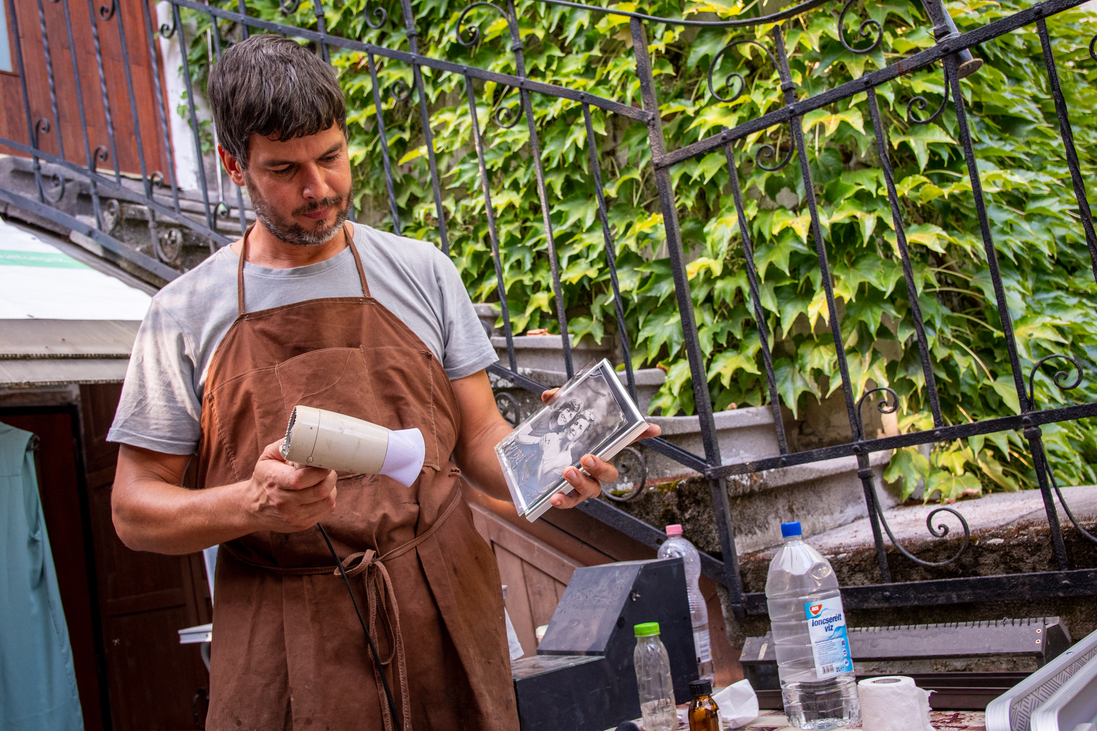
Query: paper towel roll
column 893, row 703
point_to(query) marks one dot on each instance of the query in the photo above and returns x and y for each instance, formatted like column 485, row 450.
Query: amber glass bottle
column 703, row 713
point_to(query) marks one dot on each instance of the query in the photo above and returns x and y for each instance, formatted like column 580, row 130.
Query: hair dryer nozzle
column 405, row 455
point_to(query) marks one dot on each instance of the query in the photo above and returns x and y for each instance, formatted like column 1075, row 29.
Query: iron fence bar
column 985, row 232
column 88, row 154
column 120, row 192
column 610, row 249
column 424, row 121
column 911, row 439
column 542, row 193
column 161, row 117
column 834, row 320
column 1040, row 464
column 797, row 127
column 969, row 589
column 903, row 67
column 222, row 208
column 1067, row 133
column 116, row 11
column 243, row 8
column 177, row 21
column 108, row 242
column 880, row 133
column 756, row 300
column 872, row 503
column 103, row 92
column 640, row 531
column 539, row 87
column 32, row 138
column 703, row 406
column 478, row 143
column 50, row 83
column 321, row 26
column 384, row 144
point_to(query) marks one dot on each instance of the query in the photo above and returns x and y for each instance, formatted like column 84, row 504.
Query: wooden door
column 144, row 599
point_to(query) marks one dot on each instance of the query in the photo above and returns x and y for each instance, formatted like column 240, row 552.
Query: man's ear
column 232, row 166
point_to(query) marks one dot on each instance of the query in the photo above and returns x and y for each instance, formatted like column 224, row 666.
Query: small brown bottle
column 704, row 715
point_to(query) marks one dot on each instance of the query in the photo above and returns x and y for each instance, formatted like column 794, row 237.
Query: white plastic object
column 818, row 685
column 677, row 545
column 332, row 441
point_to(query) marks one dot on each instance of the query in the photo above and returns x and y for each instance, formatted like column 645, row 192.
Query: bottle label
column 829, row 641
column 703, row 645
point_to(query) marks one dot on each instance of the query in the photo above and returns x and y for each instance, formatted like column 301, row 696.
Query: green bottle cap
column 646, row 629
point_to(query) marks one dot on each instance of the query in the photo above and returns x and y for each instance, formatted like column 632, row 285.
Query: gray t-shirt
column 161, row 404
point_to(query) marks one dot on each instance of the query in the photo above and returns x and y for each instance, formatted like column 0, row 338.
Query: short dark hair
column 272, row 86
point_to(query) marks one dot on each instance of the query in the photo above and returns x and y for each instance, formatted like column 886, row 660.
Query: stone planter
column 546, row 352
column 743, row 435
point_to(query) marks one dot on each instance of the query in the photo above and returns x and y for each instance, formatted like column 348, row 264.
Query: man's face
column 567, row 413
column 578, row 427
column 300, row 188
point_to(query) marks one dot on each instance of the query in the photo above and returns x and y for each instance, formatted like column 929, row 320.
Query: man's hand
column 285, row 498
column 587, row 483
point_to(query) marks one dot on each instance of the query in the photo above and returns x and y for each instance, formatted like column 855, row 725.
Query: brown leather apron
column 289, row 651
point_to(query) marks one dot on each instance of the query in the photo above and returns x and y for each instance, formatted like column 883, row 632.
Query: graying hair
column 272, row 86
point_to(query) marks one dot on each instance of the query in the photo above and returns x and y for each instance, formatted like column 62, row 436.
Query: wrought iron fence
column 161, row 195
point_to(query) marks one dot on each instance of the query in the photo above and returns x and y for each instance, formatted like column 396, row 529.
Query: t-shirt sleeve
column 467, row 348
column 159, row 408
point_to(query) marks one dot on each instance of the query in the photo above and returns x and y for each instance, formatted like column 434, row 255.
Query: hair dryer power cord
column 361, row 621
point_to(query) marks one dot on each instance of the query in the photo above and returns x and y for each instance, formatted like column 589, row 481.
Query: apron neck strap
column 348, row 233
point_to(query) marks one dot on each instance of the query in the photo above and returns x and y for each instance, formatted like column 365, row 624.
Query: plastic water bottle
column 676, row 545
column 653, row 679
column 809, row 634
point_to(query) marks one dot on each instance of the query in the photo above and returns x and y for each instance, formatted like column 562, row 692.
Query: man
column 335, row 316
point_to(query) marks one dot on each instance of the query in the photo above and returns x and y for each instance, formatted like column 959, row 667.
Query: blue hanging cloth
column 37, row 679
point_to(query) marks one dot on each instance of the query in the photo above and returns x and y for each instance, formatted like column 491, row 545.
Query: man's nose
column 314, row 183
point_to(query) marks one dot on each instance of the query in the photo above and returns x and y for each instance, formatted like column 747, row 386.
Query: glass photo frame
column 590, row 414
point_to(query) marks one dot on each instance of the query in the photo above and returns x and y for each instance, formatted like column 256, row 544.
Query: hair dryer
column 332, row 441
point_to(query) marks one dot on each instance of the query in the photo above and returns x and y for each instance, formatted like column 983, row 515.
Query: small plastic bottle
column 704, row 714
column 653, row 679
column 809, row 635
column 677, row 545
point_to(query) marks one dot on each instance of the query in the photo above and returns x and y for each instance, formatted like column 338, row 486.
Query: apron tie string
column 371, row 566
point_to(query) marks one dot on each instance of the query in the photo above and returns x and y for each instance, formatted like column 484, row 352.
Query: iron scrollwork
column 107, row 12
column 380, row 13
column 399, row 91
column 869, row 29
column 941, row 529
column 1092, row 51
column 1060, row 381
column 921, row 104
column 470, row 36
column 170, row 244
column 509, row 407
column 288, row 7
column 740, row 82
column 100, row 155
column 770, row 151
column 156, row 179
column 167, row 31
column 632, row 475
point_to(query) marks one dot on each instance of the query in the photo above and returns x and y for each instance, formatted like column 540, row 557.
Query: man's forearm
column 152, row 512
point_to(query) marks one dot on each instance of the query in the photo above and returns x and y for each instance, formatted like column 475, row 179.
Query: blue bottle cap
column 791, row 529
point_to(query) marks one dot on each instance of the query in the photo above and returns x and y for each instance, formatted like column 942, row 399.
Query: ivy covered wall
column 1033, row 212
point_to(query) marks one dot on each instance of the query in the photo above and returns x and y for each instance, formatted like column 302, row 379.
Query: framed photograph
column 591, row 414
